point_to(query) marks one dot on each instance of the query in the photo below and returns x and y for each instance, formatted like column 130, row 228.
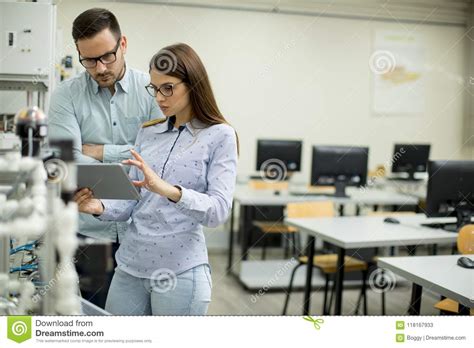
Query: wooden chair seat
column 376, row 258
column 465, row 244
column 328, row 263
column 274, row 227
column 293, row 210
column 449, row 306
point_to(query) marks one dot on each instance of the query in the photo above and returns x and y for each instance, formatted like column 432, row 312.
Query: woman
column 185, row 167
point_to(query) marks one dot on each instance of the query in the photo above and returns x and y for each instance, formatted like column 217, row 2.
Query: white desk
column 365, row 232
column 247, row 197
column 370, row 231
column 440, row 274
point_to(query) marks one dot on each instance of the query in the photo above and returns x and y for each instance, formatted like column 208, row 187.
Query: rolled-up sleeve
column 116, row 153
column 212, row 208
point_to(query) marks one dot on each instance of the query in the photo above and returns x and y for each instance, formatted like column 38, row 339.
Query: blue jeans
column 188, row 293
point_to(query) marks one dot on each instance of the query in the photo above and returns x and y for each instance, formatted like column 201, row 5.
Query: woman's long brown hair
column 181, row 61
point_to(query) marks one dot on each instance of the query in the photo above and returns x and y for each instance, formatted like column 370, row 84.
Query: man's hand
column 94, row 151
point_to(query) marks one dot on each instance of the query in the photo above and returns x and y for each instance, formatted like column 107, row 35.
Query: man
column 103, row 107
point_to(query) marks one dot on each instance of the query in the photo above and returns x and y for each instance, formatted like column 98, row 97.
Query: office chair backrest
column 268, row 185
column 310, row 209
column 466, row 240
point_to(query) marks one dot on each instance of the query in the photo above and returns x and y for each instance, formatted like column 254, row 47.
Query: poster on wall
column 396, row 65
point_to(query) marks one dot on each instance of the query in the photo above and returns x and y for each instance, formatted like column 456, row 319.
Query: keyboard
column 449, row 227
column 404, row 179
column 314, row 194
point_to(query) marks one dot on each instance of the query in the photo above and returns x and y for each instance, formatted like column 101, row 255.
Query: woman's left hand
column 152, row 182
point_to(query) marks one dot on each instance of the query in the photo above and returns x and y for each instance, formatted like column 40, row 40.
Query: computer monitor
column 339, row 166
column 450, row 190
column 278, row 158
column 410, row 159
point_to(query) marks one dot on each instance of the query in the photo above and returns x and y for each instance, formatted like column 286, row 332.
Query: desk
column 440, row 274
column 365, row 232
column 416, row 189
column 248, row 197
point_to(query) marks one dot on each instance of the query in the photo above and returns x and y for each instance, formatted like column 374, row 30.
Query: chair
column 268, row 185
column 274, row 227
column 326, row 263
column 465, row 244
column 288, row 233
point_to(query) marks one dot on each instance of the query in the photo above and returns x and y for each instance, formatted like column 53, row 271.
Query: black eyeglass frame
column 153, row 90
column 96, row 59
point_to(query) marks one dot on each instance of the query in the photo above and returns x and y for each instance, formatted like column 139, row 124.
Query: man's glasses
column 107, row 58
column 166, row 89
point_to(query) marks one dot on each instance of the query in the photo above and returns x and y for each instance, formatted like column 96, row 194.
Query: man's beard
column 105, row 80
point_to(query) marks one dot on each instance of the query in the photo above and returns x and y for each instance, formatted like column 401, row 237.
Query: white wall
column 288, row 76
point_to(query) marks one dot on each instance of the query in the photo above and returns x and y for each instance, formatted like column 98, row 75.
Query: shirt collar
column 95, row 85
column 124, row 82
column 194, row 126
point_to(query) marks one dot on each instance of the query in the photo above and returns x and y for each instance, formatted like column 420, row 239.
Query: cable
column 33, row 267
column 26, row 247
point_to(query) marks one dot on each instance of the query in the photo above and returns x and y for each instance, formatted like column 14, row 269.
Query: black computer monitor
column 277, row 158
column 450, row 190
column 410, row 159
column 339, row 166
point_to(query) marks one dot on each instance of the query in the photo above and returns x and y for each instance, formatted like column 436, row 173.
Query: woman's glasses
column 165, row 90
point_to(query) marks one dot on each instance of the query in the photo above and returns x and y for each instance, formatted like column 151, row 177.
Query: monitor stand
column 340, row 189
column 463, row 217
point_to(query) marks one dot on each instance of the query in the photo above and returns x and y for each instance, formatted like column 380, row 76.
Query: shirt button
column 111, row 102
column 115, row 123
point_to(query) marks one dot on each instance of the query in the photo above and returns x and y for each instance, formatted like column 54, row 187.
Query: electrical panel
column 27, row 38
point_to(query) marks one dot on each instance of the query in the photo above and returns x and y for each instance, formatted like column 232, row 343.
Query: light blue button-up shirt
column 164, row 235
column 83, row 111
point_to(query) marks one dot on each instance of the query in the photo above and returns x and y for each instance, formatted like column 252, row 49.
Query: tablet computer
column 107, row 181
